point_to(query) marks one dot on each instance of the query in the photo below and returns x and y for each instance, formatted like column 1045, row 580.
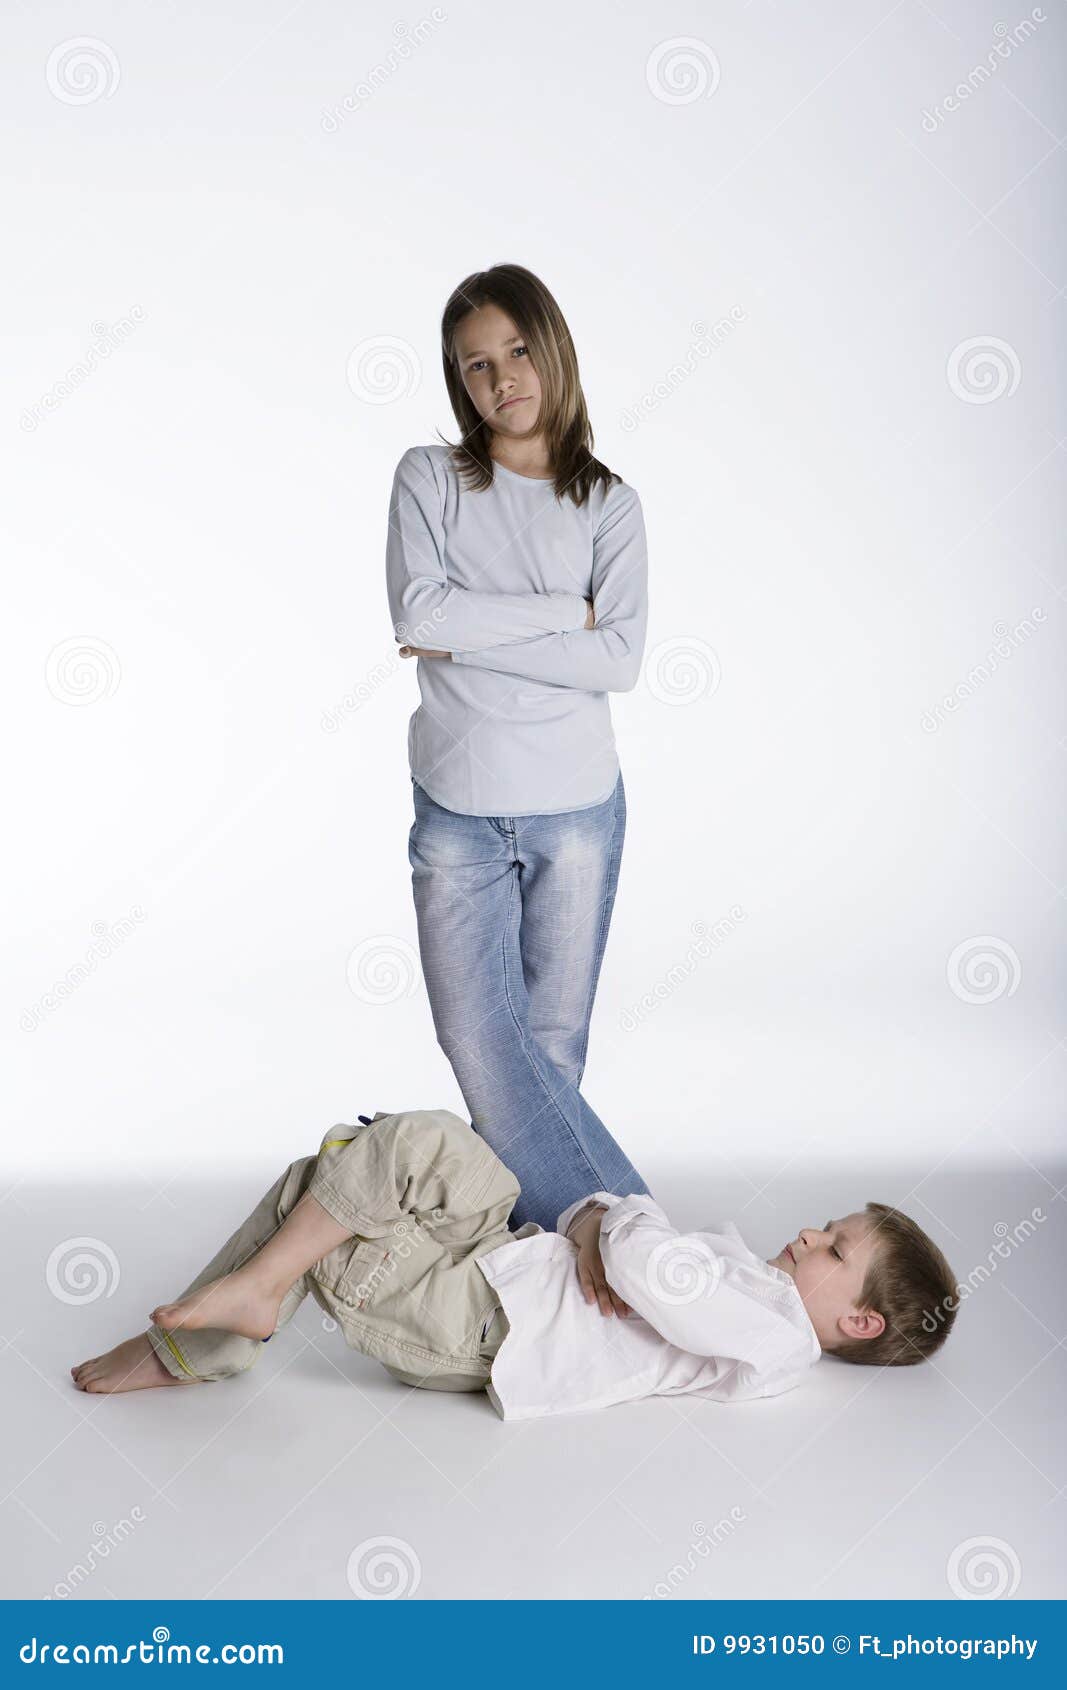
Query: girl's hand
column 591, row 1278
column 422, row 651
column 590, row 617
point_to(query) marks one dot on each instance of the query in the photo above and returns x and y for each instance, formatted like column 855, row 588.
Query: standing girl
column 517, row 575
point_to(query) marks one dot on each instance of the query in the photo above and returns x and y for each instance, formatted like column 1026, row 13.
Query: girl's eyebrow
column 480, row 351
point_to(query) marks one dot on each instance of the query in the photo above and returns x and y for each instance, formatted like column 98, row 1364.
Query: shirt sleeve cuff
column 563, row 1224
column 637, row 1203
column 580, row 610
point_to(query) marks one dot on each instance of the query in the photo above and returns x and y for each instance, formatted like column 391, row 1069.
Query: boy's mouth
column 788, row 1251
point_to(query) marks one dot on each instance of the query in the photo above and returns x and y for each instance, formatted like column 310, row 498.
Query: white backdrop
column 816, row 297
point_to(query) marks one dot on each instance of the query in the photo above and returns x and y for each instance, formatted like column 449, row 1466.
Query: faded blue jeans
column 513, row 915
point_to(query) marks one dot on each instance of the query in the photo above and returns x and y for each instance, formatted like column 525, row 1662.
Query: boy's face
column 828, row 1265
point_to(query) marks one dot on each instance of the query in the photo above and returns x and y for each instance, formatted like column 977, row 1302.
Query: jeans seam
column 581, row 1148
column 594, row 979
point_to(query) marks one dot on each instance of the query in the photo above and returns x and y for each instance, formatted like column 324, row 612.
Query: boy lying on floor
column 398, row 1229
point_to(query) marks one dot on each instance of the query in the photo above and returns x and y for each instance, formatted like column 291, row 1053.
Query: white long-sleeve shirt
column 517, row 721
column 709, row 1316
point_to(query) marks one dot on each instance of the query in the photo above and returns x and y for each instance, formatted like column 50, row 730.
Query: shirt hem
column 502, row 810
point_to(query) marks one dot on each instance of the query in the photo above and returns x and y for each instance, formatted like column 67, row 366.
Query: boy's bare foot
column 132, row 1366
column 238, row 1302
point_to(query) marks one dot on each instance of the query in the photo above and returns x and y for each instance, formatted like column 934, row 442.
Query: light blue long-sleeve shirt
column 517, row 721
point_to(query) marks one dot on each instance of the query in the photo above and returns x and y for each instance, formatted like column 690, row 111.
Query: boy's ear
column 869, row 1324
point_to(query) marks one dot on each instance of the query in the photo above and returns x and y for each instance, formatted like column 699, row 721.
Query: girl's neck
column 523, row 457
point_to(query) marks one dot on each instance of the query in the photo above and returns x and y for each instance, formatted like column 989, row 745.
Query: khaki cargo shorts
column 424, row 1196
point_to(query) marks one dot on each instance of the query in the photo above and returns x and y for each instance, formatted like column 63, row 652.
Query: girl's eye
column 478, row 362
column 834, row 1251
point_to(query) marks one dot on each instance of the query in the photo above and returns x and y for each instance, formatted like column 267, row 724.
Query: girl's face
column 498, row 372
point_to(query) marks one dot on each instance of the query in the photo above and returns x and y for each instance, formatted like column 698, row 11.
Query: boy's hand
column 595, row 1287
column 422, row 651
column 590, row 614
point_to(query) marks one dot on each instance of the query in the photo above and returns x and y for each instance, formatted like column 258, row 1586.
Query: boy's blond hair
column 911, row 1285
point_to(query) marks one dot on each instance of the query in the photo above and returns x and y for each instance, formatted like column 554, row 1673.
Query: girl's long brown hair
column 563, row 418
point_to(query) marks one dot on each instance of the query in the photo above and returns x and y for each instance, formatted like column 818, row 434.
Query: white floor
column 858, row 1484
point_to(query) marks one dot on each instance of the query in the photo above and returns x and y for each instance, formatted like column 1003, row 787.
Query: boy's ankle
column 271, row 1286
column 260, row 1280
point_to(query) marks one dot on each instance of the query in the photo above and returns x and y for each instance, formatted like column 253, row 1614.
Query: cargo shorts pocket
column 354, row 1272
